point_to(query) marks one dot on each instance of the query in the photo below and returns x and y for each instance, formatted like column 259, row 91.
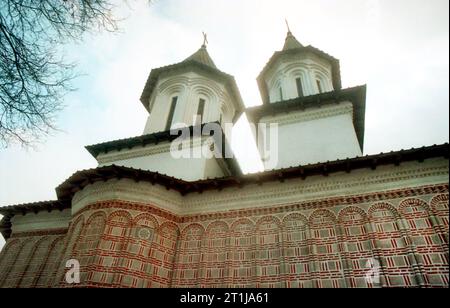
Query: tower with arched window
column 193, row 95
column 317, row 120
column 191, row 92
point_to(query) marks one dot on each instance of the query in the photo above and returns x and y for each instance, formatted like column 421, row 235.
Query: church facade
column 321, row 215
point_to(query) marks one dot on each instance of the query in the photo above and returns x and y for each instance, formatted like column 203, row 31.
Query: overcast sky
column 399, row 48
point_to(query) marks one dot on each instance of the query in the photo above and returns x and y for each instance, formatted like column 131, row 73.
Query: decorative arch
column 393, row 246
column 49, row 267
column 215, row 254
column 116, row 241
column 189, row 256
column 278, row 91
column 383, row 206
column 73, row 237
column 440, row 202
column 413, row 205
column 217, row 226
column 322, row 216
column 193, row 230
column 439, row 205
column 8, row 256
column 34, row 261
column 296, row 254
column 355, row 245
column 18, row 267
column 269, row 259
column 70, row 251
column 299, row 70
column 227, row 111
column 210, row 93
column 324, row 80
column 168, row 234
column 238, row 225
column 356, row 213
column 268, row 221
column 324, row 245
column 242, row 254
column 141, row 252
column 120, row 217
column 92, row 233
column 173, row 84
column 425, row 236
column 146, row 220
column 294, row 217
column 168, row 225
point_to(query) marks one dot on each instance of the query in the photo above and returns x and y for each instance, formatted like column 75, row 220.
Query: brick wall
column 322, row 243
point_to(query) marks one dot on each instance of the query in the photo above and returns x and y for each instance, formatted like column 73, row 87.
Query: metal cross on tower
column 205, row 39
column 287, row 24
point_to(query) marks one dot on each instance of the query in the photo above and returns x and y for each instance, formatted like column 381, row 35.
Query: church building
column 321, row 215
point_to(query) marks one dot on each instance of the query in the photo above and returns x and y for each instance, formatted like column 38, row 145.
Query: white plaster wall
column 303, row 141
column 159, row 159
column 190, row 88
column 41, row 221
column 307, row 66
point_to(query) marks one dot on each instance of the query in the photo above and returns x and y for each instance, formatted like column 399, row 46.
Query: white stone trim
column 310, row 114
column 151, row 149
column 41, row 221
column 362, row 181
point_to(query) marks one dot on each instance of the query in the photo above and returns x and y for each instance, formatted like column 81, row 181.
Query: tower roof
column 292, row 47
column 200, row 62
column 291, row 42
column 202, row 56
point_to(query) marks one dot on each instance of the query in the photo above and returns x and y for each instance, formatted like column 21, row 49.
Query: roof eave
column 336, row 70
column 158, row 73
column 83, row 178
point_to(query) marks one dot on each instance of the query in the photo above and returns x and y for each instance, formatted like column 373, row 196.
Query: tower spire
column 291, row 42
column 202, row 55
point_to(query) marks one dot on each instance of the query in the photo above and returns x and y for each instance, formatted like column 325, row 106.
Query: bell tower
column 317, row 120
column 192, row 92
column 188, row 96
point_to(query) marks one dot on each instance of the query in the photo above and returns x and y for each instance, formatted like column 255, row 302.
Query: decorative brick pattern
column 123, row 244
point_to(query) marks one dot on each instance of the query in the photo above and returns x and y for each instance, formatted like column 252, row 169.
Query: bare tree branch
column 33, row 78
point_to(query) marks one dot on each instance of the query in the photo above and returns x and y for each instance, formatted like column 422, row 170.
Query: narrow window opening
column 299, row 87
column 319, row 86
column 281, row 93
column 173, row 107
column 200, row 111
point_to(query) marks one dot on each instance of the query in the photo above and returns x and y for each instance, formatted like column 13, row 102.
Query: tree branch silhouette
column 33, row 78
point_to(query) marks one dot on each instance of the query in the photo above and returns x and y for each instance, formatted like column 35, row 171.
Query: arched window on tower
column 171, row 115
column 323, row 82
column 299, row 84
column 319, row 85
column 200, row 111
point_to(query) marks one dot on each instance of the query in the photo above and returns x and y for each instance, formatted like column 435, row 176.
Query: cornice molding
column 53, row 233
column 43, row 220
column 127, row 190
column 268, row 194
column 148, row 150
column 310, row 114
